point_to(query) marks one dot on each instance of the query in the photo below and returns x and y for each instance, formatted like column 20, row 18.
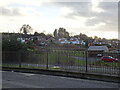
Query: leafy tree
column 25, row 29
column 55, row 33
column 62, row 33
column 48, row 36
column 42, row 35
column 11, row 44
column 36, row 33
column 95, row 37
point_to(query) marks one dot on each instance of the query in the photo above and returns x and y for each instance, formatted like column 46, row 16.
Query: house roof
column 98, row 48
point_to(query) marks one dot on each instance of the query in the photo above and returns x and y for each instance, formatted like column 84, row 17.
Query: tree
column 95, row 37
column 55, row 33
column 36, row 33
column 12, row 44
column 42, row 35
column 62, row 33
column 85, row 38
column 25, row 29
column 48, row 36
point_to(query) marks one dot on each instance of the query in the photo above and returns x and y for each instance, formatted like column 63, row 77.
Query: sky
column 91, row 17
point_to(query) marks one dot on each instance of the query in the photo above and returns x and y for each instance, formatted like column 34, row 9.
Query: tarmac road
column 91, row 59
column 29, row 80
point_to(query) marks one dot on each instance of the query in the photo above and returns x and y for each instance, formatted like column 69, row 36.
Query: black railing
column 63, row 59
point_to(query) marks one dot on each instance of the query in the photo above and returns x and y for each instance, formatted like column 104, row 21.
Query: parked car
column 109, row 59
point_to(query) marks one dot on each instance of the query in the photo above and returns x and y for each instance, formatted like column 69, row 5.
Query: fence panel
column 70, row 60
column 96, row 65
column 63, row 59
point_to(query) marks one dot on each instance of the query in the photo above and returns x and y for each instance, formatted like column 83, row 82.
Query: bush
column 12, row 44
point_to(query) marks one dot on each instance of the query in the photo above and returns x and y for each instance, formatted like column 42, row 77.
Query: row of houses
column 58, row 41
column 25, row 40
column 71, row 41
column 111, row 43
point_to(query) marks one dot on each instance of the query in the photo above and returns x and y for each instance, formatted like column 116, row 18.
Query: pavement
column 30, row 80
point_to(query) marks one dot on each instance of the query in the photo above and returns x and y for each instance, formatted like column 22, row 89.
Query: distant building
column 94, row 50
column 74, row 41
column 98, row 48
column 63, row 41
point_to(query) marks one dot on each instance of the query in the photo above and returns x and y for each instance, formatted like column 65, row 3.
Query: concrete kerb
column 90, row 76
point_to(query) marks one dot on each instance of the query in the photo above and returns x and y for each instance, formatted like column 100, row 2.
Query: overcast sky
column 91, row 18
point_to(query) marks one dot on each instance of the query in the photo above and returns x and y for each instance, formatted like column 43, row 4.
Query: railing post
column 47, row 67
column 86, row 57
column 19, row 53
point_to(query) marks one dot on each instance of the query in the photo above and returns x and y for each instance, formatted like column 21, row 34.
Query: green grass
column 34, row 67
column 82, row 62
column 62, row 59
column 107, row 64
column 76, row 62
column 23, row 66
column 70, row 52
column 9, row 65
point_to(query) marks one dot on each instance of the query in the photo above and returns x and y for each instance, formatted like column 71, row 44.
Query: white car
column 99, row 55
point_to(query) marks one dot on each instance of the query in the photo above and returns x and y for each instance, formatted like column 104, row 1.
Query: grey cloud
column 9, row 12
column 79, row 8
column 92, row 22
column 108, row 5
column 109, row 16
column 84, row 9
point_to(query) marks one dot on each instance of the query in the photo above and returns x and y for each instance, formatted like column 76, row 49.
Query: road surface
column 29, row 80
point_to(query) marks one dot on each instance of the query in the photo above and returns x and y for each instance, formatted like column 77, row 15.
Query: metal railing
column 62, row 59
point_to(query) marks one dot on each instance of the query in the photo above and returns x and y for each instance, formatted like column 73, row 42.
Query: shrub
column 12, row 44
